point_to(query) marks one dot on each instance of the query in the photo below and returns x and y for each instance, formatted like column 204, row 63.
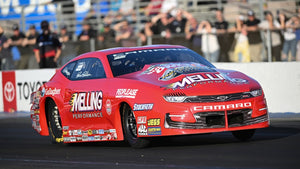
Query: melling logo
column 9, row 91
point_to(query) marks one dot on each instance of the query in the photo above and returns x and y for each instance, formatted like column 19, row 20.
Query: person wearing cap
column 17, row 49
column 48, row 48
column 87, row 32
column 6, row 60
column 68, row 51
column 29, row 43
column 254, row 38
column 107, row 37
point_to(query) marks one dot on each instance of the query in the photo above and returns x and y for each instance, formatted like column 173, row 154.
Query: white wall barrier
column 280, row 81
column 16, row 87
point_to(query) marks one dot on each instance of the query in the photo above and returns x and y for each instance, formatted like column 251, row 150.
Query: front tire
column 54, row 123
column 130, row 129
column 243, row 135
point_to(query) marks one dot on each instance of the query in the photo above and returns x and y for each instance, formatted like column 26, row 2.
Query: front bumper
column 220, row 119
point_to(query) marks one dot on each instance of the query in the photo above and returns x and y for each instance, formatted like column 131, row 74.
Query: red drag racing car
column 135, row 93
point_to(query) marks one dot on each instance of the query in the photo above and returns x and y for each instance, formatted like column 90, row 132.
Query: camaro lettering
column 90, row 101
column 188, row 80
column 222, row 107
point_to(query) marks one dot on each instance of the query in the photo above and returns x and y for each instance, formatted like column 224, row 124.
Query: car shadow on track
column 277, row 130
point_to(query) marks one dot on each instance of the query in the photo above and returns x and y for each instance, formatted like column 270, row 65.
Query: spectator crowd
column 243, row 41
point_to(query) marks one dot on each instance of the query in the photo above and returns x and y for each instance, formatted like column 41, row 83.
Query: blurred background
column 219, row 30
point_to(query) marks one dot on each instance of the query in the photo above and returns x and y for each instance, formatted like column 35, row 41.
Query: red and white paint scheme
column 135, row 93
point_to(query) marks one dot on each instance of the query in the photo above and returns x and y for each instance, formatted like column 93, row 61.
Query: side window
column 67, row 70
column 89, row 68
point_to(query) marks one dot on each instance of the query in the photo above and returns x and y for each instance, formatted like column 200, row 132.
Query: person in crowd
column 64, row 35
column 178, row 22
column 221, row 26
column 273, row 25
column 161, row 25
column 153, row 8
column 254, row 37
column 91, row 18
column 290, row 42
column 6, row 59
column 107, row 37
column 29, row 43
column 192, row 36
column 17, row 49
column 209, row 44
column 124, row 34
column 87, row 32
column 68, row 52
column 241, row 51
column 48, row 48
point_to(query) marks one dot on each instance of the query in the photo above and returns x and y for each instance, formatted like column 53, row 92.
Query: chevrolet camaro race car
column 135, row 93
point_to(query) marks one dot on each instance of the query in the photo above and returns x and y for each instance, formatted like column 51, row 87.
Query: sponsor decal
column 67, row 139
column 189, row 80
column 153, row 122
column 85, row 138
column 65, row 127
column 83, row 74
column 142, row 107
column 154, row 69
column 126, row 93
column 85, row 133
column 222, row 107
column 101, row 131
column 142, row 130
column 85, row 102
column 90, row 101
column 97, row 138
column 141, row 120
column 52, row 92
column 95, row 131
column 91, row 138
column 154, row 130
column 87, row 115
column 112, row 130
column 183, row 69
column 65, row 133
column 90, row 132
column 73, row 139
column 108, row 107
column 9, row 91
column 78, row 138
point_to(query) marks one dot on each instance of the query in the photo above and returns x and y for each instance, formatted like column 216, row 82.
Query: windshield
column 133, row 61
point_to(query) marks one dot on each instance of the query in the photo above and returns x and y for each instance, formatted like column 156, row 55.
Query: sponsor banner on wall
column 28, row 81
column 9, row 91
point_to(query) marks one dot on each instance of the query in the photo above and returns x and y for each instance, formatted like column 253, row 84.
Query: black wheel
column 130, row 129
column 54, row 122
column 243, row 135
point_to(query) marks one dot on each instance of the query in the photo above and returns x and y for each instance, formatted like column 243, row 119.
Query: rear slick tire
column 243, row 135
column 54, row 123
column 130, row 129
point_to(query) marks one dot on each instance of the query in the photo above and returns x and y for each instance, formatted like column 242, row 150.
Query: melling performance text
column 86, row 101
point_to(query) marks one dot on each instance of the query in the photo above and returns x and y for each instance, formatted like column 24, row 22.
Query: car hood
column 193, row 77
